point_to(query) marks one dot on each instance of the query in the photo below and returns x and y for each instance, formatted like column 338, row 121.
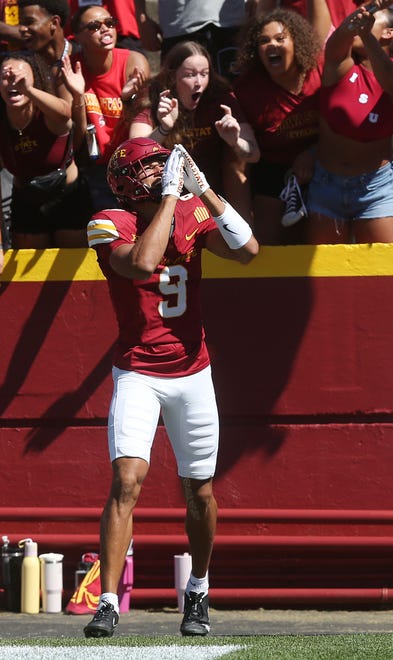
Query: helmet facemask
column 127, row 171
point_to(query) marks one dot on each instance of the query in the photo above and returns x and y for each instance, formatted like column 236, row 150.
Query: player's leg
column 191, row 419
column 201, row 522
column 116, row 521
column 132, row 423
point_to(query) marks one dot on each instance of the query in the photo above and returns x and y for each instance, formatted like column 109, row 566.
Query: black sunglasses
column 94, row 26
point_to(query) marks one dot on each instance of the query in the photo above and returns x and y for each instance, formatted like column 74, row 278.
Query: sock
column 109, row 598
column 197, row 585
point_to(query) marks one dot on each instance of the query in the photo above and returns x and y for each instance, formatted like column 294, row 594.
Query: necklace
column 27, row 119
column 66, row 50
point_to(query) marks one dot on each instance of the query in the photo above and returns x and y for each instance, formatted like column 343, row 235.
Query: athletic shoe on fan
column 196, row 614
column 103, row 622
column 295, row 208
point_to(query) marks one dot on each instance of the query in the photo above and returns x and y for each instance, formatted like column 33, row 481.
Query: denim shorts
column 348, row 198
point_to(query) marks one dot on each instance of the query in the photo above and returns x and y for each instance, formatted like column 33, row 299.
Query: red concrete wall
column 302, row 362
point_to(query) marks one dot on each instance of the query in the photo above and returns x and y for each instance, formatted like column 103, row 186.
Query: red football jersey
column 159, row 319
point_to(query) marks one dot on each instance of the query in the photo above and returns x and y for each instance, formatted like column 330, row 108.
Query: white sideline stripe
column 114, row 652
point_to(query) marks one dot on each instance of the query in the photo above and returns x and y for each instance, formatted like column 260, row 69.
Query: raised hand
column 167, row 110
column 194, row 179
column 16, row 76
column 362, row 20
column 73, row 80
column 228, row 127
column 133, row 84
column 172, row 175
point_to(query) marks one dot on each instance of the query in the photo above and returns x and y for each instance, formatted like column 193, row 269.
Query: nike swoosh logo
column 190, row 236
column 230, row 230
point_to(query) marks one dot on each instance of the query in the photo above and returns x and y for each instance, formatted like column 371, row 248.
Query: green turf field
column 269, row 647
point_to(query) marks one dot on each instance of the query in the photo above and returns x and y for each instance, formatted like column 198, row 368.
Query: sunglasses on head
column 94, row 26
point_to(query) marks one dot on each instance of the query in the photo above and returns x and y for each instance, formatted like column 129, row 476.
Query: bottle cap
column 31, row 548
column 51, row 557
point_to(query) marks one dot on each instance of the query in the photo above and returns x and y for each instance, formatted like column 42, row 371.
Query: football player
column 150, row 251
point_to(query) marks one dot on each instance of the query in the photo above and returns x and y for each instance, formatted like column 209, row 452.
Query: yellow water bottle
column 30, row 584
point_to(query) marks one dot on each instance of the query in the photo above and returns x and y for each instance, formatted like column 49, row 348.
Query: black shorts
column 72, row 209
column 268, row 179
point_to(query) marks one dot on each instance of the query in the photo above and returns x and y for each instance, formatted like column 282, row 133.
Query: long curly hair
column 307, row 45
column 149, row 95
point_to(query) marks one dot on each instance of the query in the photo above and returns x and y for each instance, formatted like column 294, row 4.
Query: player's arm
column 234, row 238
column 141, row 259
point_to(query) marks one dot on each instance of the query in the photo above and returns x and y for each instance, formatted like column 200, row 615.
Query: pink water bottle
column 126, row 580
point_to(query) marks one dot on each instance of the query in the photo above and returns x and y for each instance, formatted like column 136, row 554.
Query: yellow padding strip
column 292, row 261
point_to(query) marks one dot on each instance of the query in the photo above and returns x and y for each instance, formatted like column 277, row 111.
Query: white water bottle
column 183, row 565
column 51, row 581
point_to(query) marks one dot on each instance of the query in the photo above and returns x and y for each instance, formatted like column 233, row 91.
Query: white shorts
column 189, row 410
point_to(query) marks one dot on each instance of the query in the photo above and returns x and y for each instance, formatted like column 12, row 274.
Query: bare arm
column 11, row 34
column 56, row 110
column 75, row 84
column 380, row 60
column 137, row 63
column 338, row 52
column 319, row 16
column 149, row 29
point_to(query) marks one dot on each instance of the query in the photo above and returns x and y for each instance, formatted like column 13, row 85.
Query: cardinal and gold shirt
column 159, row 319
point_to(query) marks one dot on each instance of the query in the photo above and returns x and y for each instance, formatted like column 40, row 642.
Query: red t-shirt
column 103, row 100
column 284, row 124
column 357, row 107
column 159, row 319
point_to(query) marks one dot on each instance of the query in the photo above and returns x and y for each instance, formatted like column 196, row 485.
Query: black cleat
column 196, row 614
column 103, row 622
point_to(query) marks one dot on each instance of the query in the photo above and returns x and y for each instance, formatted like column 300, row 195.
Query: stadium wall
column 300, row 342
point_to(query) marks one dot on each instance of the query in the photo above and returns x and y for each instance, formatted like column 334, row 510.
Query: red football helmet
column 126, row 171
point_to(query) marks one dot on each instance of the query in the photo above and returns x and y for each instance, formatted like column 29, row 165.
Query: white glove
column 194, row 179
column 172, row 175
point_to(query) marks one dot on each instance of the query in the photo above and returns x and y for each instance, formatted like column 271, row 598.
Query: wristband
column 233, row 228
column 163, row 131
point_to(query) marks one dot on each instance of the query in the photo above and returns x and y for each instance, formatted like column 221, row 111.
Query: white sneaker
column 295, row 208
